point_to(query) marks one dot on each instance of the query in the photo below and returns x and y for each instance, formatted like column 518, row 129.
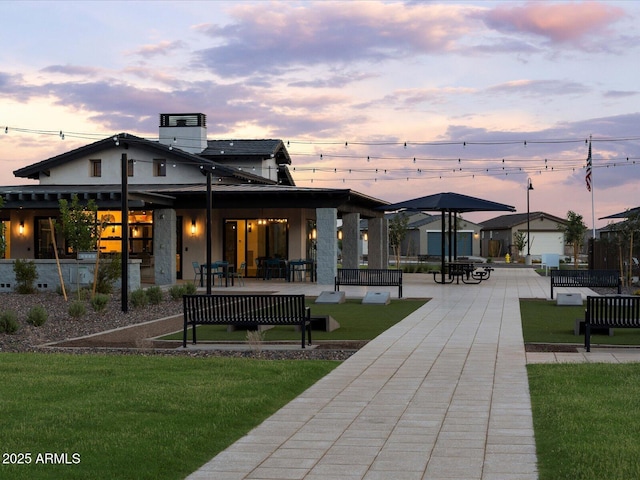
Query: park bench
column 610, row 311
column 246, row 311
column 369, row 277
column 586, row 278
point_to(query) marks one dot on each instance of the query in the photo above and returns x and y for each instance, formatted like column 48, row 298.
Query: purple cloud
column 273, row 41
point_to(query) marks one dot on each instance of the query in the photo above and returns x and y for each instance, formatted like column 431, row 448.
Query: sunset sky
column 395, row 100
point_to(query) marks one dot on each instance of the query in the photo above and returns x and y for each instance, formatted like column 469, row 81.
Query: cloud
column 539, row 88
column 163, row 48
column 72, row 70
column 582, row 24
column 273, row 38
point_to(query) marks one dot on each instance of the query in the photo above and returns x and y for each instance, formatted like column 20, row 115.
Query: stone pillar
column 378, row 243
column 351, row 246
column 164, row 246
column 327, row 245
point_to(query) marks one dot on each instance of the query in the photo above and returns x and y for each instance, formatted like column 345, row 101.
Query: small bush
column 155, row 295
column 190, row 288
column 109, row 271
column 77, row 309
column 139, row 298
column 37, row 316
column 8, row 322
column 26, row 275
column 99, row 302
column 177, row 291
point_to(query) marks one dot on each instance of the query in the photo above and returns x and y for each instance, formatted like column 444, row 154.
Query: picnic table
column 219, row 269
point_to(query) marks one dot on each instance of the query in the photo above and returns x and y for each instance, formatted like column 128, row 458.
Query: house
column 544, row 231
column 256, row 211
column 424, row 234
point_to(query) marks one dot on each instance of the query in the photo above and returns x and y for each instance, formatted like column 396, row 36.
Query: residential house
column 543, row 230
column 424, row 235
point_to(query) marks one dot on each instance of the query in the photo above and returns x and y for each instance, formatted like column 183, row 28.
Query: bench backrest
column 370, row 276
column 277, row 309
column 613, row 311
column 586, row 277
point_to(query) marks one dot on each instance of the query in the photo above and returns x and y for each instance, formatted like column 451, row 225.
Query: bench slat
column 369, row 277
column 586, row 278
column 620, row 311
column 245, row 310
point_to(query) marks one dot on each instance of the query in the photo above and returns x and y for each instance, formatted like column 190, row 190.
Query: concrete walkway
column 441, row 395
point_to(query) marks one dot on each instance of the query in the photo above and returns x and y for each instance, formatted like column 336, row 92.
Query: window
column 159, row 167
column 95, row 168
column 130, row 163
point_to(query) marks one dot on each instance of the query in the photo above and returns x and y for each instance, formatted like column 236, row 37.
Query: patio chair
column 240, row 273
column 197, row 272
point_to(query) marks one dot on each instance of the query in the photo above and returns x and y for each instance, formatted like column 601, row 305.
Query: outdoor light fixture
column 193, row 227
column 21, row 227
column 529, row 188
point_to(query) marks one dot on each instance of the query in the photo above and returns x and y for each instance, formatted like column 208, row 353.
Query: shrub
column 8, row 322
column 139, row 298
column 108, row 272
column 155, row 295
column 77, row 309
column 26, row 275
column 99, row 302
column 177, row 291
column 37, row 316
column 190, row 288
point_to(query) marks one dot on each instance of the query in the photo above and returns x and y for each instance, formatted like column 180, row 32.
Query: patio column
column 164, row 246
column 327, row 245
column 351, row 246
column 378, row 243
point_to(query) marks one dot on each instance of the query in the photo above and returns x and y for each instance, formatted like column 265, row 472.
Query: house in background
column 424, row 235
column 497, row 234
column 257, row 211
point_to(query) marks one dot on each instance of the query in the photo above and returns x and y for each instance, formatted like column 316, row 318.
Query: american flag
column 588, row 175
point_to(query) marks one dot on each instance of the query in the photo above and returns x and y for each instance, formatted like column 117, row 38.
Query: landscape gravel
column 61, row 327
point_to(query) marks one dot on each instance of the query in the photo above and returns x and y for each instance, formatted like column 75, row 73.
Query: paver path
column 441, row 395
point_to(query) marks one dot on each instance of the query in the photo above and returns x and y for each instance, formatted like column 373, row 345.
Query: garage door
column 464, row 247
column 547, row 242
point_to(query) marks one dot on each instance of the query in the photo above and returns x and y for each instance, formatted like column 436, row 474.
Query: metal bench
column 245, row 310
column 369, row 277
column 611, row 311
column 586, row 278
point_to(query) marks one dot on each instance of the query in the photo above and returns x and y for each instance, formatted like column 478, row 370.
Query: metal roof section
column 508, row 221
column 247, row 149
column 225, row 196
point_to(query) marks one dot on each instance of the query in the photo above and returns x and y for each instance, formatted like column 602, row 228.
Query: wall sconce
column 314, row 234
column 339, row 234
column 250, row 227
column 21, row 227
column 193, row 227
column 365, row 236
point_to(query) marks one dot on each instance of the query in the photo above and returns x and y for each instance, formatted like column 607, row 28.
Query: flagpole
column 593, row 211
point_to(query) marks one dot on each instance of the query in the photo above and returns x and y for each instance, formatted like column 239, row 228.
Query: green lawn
column 545, row 322
column 132, row 416
column 357, row 322
column 586, row 420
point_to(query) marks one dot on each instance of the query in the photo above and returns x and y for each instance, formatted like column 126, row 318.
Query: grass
column 545, row 322
column 357, row 322
column 586, row 420
column 136, row 417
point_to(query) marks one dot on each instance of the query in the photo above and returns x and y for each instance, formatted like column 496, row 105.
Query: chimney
column 184, row 131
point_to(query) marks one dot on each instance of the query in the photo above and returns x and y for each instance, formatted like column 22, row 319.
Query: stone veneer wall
column 48, row 279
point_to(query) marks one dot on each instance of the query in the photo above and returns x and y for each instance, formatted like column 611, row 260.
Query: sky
column 395, row 100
